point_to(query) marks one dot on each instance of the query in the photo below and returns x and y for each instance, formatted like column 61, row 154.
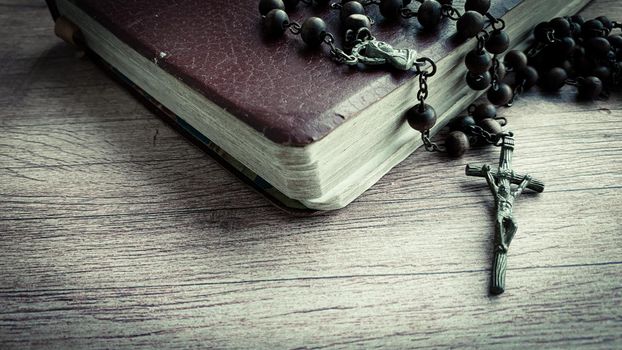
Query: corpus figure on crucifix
column 505, row 225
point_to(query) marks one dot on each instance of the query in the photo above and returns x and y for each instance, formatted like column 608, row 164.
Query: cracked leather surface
column 291, row 94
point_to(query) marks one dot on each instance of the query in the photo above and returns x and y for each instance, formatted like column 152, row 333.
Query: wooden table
column 117, row 232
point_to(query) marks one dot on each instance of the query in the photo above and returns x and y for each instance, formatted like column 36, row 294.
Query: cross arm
column 535, row 184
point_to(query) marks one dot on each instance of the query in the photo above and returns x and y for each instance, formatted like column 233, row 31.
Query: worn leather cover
column 291, row 94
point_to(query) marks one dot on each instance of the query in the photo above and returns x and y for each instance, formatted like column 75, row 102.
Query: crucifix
column 500, row 183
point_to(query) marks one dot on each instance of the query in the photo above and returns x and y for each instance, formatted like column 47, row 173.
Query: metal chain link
column 294, row 27
column 336, row 53
column 450, row 12
column 405, row 12
column 493, row 139
column 428, row 144
column 494, row 83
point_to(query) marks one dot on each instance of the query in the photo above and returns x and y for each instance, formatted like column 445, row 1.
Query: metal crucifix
column 500, row 182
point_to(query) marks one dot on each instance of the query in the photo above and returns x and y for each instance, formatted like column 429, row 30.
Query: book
column 307, row 131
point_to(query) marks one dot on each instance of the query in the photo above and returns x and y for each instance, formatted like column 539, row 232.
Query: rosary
column 566, row 51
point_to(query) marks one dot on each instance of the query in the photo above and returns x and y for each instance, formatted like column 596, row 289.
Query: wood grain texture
column 117, row 232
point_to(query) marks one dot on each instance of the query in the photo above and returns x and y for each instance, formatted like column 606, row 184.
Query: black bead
column 484, row 111
column 322, row 2
column 313, row 31
column 561, row 26
column 429, row 14
column 421, row 117
column 351, row 8
column 593, row 28
column 481, row 6
column 541, row 32
column 478, row 81
column 567, row 66
column 527, row 75
column 498, row 42
column 602, row 72
column 462, row 123
column 275, row 21
column 290, row 4
column 564, row 47
column 554, row 79
column 490, row 125
column 266, row 6
column 515, row 59
column 575, row 29
column 615, row 41
column 456, row 143
column 590, row 88
column 577, row 19
column 598, row 46
column 357, row 21
column 391, row 9
column 501, row 95
column 606, row 22
column 501, row 71
column 469, row 24
column 477, row 62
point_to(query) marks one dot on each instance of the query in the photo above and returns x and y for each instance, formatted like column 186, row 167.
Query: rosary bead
column 501, row 95
column 602, row 72
column 478, row 81
column 391, row 9
column 501, row 71
column 484, row 111
column 490, row 125
column 313, row 31
column 577, row 19
column 590, row 88
column 554, row 79
column 567, row 66
column 351, row 8
column 357, row 21
column 529, row 76
column 290, row 4
column 481, row 6
column 515, row 59
column 498, row 42
column 575, row 29
column 564, row 46
column 593, row 28
column 469, row 24
column 429, row 14
column 275, row 21
column 462, row 123
column 478, row 62
column 541, row 32
column 561, row 26
column 615, row 41
column 598, row 46
column 421, row 117
column 456, row 143
column 266, row 6
column 606, row 22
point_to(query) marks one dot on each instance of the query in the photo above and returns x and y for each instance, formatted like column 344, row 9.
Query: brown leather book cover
column 291, row 94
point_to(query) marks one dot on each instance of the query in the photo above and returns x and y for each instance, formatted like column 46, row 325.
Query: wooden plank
column 97, row 142
column 228, row 245
column 565, row 307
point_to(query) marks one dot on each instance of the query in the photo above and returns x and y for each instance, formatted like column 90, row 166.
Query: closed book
column 312, row 132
